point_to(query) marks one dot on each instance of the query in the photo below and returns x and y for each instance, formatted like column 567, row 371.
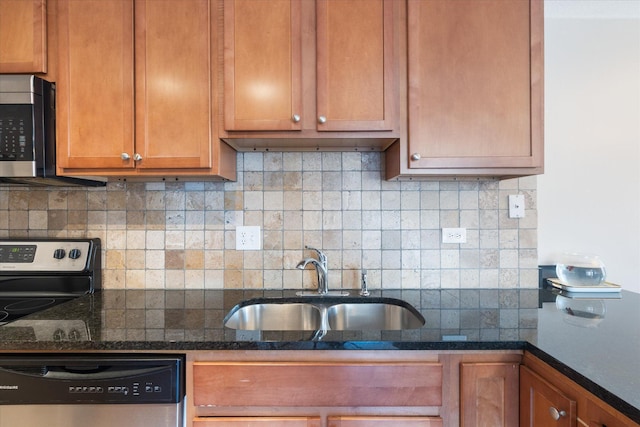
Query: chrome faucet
column 321, row 269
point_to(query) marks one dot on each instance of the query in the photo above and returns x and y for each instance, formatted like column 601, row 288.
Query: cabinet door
column 23, row 32
column 173, row 84
column 384, row 422
column 475, row 84
column 542, row 404
column 262, row 65
column 600, row 416
column 489, row 394
column 95, row 98
column 257, row 422
column 355, row 70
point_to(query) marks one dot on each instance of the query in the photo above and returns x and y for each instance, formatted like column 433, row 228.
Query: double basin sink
column 324, row 313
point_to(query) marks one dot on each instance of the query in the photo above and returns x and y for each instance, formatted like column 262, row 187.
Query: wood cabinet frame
column 527, row 160
column 23, row 36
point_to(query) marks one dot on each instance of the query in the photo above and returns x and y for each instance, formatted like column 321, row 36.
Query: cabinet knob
column 555, row 414
column 137, row 157
column 416, row 156
column 295, row 118
column 125, row 156
column 322, row 120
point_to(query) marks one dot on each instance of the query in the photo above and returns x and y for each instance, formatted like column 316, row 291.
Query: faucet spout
column 321, row 270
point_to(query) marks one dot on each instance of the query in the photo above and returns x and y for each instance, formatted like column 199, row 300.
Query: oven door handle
column 98, row 372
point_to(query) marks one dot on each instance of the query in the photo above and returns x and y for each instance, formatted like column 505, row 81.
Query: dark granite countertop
column 600, row 352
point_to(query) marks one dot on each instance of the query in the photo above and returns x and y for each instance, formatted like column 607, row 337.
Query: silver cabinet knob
column 137, row 157
column 416, row 156
column 295, row 118
column 322, row 120
column 125, row 156
column 555, row 414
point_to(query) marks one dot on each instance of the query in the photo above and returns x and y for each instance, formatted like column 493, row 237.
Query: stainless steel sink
column 376, row 316
column 323, row 313
column 274, row 316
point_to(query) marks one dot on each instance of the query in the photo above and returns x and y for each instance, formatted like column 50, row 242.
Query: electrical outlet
column 248, row 238
column 454, row 235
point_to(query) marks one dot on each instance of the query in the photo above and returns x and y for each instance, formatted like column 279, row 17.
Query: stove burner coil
column 29, row 305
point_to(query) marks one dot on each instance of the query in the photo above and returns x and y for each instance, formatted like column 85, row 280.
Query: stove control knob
column 74, row 253
column 59, row 253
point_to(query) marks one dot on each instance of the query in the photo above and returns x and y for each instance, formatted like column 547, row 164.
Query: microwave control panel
column 16, row 132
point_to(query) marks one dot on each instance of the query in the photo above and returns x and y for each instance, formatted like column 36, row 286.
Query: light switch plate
column 516, row 206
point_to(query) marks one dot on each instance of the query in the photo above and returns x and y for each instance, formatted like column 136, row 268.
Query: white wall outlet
column 248, row 238
column 454, row 235
column 516, row 206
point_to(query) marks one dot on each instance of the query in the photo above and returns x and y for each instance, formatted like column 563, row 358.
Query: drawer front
column 317, row 384
column 257, row 422
column 384, row 422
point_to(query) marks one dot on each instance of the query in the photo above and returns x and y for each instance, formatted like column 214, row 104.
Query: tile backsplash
column 181, row 235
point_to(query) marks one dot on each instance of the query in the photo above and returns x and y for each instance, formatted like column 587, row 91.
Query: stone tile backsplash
column 181, row 235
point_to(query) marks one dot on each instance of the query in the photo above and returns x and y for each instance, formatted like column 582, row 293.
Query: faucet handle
column 321, row 256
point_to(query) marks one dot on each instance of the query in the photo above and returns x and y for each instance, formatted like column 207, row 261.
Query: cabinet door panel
column 95, row 101
column 489, row 394
column 384, row 422
column 600, row 416
column 262, row 65
column 23, row 32
column 173, row 84
column 475, row 91
column 354, row 64
column 257, row 422
column 538, row 399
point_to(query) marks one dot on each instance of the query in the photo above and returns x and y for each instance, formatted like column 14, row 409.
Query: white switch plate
column 248, row 238
column 454, row 235
column 516, row 206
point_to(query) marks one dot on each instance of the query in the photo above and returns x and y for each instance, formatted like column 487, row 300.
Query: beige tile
column 135, row 259
column 174, row 259
column 194, row 259
column 154, row 259
column 335, row 201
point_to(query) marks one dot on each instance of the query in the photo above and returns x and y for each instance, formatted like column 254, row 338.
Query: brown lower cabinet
column 489, row 394
column 548, row 398
column 315, row 422
column 387, row 389
column 543, row 404
column 353, row 389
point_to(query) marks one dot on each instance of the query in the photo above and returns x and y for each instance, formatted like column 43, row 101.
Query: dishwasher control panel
column 124, row 391
column 87, row 379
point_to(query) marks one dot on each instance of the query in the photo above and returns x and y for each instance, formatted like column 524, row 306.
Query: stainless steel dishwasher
column 91, row 390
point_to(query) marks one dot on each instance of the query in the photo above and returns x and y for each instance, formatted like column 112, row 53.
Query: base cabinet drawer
column 314, row 384
column 257, row 422
column 384, row 422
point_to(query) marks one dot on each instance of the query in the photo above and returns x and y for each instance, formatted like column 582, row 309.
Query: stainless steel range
column 38, row 274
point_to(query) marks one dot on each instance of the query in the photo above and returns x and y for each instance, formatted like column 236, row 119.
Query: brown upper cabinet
column 136, row 89
column 311, row 70
column 23, row 36
column 475, row 89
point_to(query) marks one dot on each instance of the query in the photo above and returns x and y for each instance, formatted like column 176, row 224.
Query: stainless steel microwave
column 28, row 131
